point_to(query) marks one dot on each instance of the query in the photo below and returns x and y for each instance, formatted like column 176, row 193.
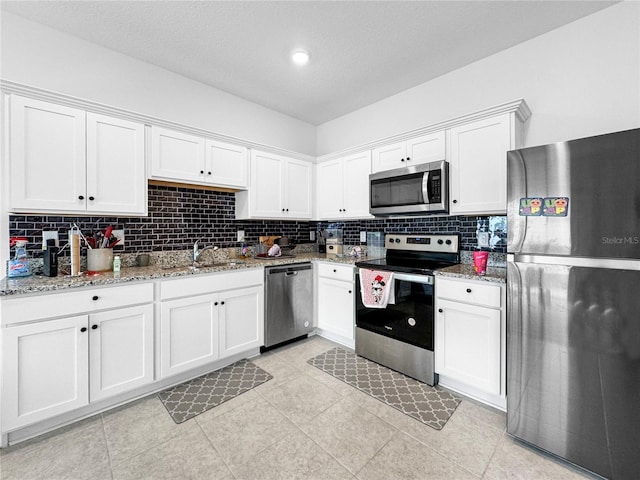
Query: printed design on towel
column 376, row 288
column 196, row 396
column 432, row 406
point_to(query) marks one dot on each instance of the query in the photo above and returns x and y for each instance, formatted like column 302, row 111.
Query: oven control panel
column 423, row 243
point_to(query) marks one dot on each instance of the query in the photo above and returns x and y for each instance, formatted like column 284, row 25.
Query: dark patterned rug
column 432, row 406
column 189, row 399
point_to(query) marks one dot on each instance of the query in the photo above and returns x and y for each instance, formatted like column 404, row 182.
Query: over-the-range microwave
column 416, row 190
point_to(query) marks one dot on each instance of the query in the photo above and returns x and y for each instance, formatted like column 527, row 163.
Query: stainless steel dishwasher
column 288, row 303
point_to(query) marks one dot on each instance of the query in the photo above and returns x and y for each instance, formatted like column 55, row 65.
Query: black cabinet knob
column 440, row 310
column 334, row 270
column 80, row 197
column 402, row 159
column 349, row 291
column 201, row 172
column 408, row 158
column 94, row 327
column 83, row 329
column 92, row 198
column 287, row 209
column 468, row 290
column 221, row 303
column 215, row 303
column 455, row 201
column 95, row 297
column 208, row 173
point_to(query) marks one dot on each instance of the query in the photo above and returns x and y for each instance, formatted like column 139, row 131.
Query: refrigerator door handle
column 517, row 189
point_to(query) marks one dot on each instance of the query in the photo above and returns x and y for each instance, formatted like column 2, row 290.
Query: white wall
column 39, row 56
column 579, row 80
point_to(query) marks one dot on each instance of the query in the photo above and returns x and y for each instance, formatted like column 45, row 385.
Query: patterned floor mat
column 432, row 406
column 189, row 399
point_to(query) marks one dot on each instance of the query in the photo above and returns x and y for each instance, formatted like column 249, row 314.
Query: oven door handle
column 428, row 279
column 426, row 178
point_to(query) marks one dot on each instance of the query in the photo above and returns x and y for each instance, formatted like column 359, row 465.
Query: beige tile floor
column 302, row 424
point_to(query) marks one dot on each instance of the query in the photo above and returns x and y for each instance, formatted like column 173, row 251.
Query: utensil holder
column 100, row 259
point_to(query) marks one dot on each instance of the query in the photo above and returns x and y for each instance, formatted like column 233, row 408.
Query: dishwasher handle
column 288, row 274
column 288, row 269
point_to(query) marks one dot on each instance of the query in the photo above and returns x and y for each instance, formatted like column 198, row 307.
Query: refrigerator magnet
column 556, row 206
column 531, row 206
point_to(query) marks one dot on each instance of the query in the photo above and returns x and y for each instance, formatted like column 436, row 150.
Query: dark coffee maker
column 50, row 268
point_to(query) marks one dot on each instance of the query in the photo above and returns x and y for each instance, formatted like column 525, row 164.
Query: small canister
column 334, row 247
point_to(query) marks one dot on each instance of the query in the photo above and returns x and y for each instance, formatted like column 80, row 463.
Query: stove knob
column 440, row 242
column 448, row 242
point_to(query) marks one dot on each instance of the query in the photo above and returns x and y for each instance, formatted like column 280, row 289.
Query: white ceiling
column 361, row 51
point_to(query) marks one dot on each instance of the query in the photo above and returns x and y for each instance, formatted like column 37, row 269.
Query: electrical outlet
column 483, row 239
column 120, row 235
column 50, row 234
column 240, row 235
column 363, row 237
column 312, row 235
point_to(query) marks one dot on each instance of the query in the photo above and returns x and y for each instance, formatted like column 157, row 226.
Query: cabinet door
column 266, row 185
column 329, row 196
column 241, row 320
column 226, row 164
column 176, row 156
column 468, row 344
column 121, row 351
column 336, row 307
column 188, row 333
column 45, row 370
column 389, row 157
column 47, row 157
column 116, row 178
column 356, row 172
column 426, row 148
column 298, row 189
column 478, row 166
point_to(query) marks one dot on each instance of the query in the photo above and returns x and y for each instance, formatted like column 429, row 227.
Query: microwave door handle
column 425, row 187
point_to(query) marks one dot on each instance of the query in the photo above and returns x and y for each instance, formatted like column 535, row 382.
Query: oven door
column 410, row 319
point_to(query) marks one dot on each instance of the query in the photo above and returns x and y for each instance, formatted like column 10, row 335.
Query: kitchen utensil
column 107, row 236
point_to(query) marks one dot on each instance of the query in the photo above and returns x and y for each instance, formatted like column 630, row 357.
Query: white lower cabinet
column 470, row 338
column 55, row 366
column 225, row 317
column 198, row 330
column 335, row 303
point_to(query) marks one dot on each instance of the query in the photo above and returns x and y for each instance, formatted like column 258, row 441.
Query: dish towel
column 376, row 288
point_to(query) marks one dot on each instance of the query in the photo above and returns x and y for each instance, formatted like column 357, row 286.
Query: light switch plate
column 240, row 235
column 48, row 234
column 312, row 235
column 119, row 234
column 363, row 237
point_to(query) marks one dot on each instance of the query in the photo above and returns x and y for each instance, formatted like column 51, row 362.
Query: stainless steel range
column 401, row 335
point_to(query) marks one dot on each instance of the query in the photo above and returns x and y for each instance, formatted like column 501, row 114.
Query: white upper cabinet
column 342, row 187
column 280, row 187
column 115, row 165
column 415, row 151
column 180, row 157
column 478, row 165
column 65, row 160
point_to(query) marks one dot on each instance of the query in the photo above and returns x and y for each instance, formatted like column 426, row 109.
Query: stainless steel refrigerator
column 573, row 276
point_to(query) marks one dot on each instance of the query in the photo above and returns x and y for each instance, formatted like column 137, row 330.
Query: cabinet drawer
column 337, row 272
column 216, row 282
column 52, row 305
column 478, row 293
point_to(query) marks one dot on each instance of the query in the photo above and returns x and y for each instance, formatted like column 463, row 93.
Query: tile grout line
column 106, row 445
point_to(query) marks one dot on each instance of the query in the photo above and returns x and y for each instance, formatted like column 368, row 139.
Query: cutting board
column 268, row 240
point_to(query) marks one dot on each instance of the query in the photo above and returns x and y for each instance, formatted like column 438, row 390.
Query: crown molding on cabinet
column 519, row 107
column 10, row 87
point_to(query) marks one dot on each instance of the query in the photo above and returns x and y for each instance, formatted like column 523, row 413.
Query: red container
column 480, row 262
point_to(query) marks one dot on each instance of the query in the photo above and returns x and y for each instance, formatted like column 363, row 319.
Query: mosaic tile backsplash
column 180, row 216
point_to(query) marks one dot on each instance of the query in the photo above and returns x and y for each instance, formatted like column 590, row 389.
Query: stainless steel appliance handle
column 426, row 177
column 516, row 189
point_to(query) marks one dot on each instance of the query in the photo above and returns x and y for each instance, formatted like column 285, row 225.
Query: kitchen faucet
column 197, row 253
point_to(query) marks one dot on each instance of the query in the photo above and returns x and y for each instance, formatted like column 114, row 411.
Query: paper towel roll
column 74, row 240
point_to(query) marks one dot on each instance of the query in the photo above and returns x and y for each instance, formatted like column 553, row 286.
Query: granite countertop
column 41, row 284
column 466, row 271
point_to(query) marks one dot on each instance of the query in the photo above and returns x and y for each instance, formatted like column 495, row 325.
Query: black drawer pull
column 83, row 329
column 440, row 310
column 221, row 303
column 468, row 290
column 95, row 298
column 215, row 303
column 80, row 197
column 94, row 327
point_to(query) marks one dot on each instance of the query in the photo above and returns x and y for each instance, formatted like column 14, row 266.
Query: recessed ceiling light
column 300, row 57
